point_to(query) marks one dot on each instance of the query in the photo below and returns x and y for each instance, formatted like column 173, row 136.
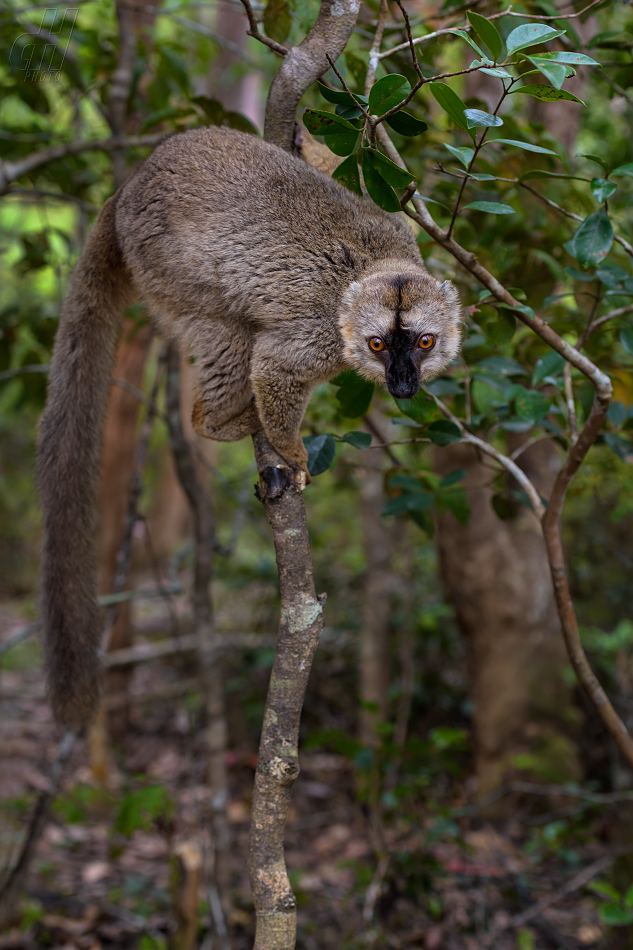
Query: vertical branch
column 210, row 671
column 303, row 65
column 122, row 79
column 300, row 626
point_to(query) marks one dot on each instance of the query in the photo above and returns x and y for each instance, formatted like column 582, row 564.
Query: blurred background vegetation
column 450, row 758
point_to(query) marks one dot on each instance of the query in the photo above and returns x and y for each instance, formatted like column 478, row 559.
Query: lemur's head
column 401, row 327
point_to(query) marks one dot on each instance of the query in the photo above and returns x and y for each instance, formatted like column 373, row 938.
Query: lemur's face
column 401, row 329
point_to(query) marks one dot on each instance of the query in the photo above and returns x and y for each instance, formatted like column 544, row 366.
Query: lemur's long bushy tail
column 70, row 439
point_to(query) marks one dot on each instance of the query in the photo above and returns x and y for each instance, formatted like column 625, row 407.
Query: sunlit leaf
column 487, row 32
column 529, row 35
column 570, row 59
column 524, row 145
column 623, row 170
column 464, row 155
column 555, row 72
column 491, row 207
column 593, row 239
column 547, row 93
column 477, row 119
column 602, row 189
column 594, row 158
column 387, row 93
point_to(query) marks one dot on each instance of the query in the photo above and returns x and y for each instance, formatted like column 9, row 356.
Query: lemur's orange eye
column 376, row 344
column 426, row 341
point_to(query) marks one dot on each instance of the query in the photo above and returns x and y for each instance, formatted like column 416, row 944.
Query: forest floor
column 445, row 880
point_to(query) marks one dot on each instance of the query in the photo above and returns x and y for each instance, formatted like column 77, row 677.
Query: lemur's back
column 217, row 215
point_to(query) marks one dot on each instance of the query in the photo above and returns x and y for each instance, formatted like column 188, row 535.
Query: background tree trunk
column 497, row 577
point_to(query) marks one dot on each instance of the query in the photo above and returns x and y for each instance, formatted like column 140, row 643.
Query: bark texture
column 278, row 762
column 497, row 577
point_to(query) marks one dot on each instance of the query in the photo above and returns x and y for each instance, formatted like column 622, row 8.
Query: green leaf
column 477, row 119
column 555, row 72
column 360, row 440
column 321, row 452
column 410, row 501
column 503, row 507
column 615, row 916
column 602, row 189
column 406, row 124
column 455, row 500
column 391, row 172
column 450, row 102
column 547, row 93
column 578, row 275
column 339, row 96
column 623, row 170
column 552, row 364
column 497, row 71
column 622, row 448
column 569, row 59
column 343, row 144
column 500, row 366
column 138, row 809
column 457, row 475
column 467, row 39
column 594, row 158
column 487, row 33
column 277, row 20
column 491, row 207
column 628, row 897
column 529, row 35
column 387, row 93
column 464, row 155
column 421, row 409
column 348, row 175
column 444, row 432
column 593, row 239
column 379, row 191
column 326, row 123
column 626, row 339
column 445, row 387
column 531, row 405
column 354, row 395
column 408, row 482
column 501, row 330
column 525, row 145
column 540, row 173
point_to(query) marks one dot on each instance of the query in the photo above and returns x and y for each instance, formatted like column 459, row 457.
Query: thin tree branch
column 304, row 64
column 256, row 33
column 36, row 194
column 571, row 405
column 9, row 171
column 575, row 217
column 374, row 52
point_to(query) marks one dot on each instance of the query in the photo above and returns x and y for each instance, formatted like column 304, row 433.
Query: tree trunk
column 497, row 577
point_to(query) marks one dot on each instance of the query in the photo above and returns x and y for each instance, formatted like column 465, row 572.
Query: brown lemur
column 274, row 277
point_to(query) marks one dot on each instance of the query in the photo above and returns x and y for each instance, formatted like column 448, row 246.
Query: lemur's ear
column 351, row 294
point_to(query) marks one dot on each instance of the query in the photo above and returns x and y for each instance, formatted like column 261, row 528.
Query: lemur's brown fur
column 273, row 276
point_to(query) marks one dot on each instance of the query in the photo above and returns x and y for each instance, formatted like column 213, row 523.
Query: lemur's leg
column 286, row 365
column 224, row 407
